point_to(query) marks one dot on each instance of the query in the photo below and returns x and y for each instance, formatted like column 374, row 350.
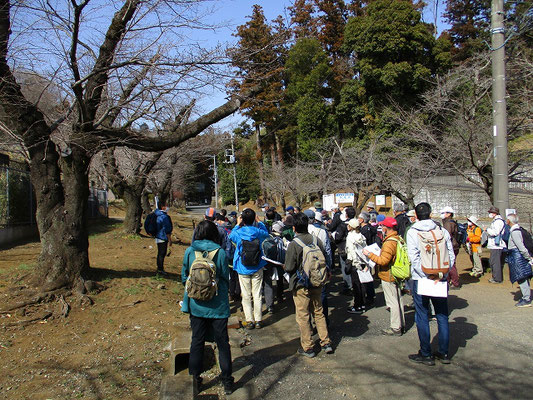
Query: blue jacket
column 218, row 306
column 164, row 225
column 247, row 233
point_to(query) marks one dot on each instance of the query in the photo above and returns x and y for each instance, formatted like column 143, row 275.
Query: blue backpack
column 504, row 234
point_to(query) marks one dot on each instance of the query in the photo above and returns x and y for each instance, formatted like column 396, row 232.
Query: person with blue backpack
column 248, row 236
column 159, row 225
column 497, row 233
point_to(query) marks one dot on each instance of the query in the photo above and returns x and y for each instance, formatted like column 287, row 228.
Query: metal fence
column 17, row 200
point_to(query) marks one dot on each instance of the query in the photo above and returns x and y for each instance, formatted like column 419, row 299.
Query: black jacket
column 403, row 222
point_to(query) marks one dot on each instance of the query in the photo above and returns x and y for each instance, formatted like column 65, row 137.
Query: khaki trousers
column 306, row 302
column 477, row 268
column 393, row 299
column 251, row 288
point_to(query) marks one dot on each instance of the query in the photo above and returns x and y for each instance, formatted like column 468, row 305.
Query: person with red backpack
column 431, row 254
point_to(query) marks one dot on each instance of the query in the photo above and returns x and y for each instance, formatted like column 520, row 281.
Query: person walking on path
column 307, row 301
column 163, row 237
column 496, row 244
column 520, row 261
column 211, row 316
column 414, row 248
column 391, row 289
column 249, row 265
column 473, row 240
column 451, row 226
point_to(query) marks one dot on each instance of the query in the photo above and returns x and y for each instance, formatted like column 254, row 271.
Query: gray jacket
column 517, row 242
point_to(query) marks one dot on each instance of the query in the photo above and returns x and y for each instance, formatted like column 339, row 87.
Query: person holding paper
column 420, row 279
column 355, row 242
column 391, row 290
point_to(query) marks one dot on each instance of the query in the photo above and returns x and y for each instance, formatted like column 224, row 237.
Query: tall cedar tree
column 470, row 23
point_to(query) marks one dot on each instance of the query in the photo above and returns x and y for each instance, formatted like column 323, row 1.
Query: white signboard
column 380, row 200
column 328, row 202
column 344, row 198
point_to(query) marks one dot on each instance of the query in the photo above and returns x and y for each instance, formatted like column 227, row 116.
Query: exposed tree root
column 24, row 322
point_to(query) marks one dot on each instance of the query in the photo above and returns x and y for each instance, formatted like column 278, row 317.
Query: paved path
column 491, row 346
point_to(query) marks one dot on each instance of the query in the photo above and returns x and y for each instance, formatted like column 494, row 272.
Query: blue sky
column 232, row 13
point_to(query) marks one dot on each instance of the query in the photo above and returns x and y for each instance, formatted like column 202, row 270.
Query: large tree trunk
column 134, row 210
column 62, row 220
column 145, row 202
column 259, row 156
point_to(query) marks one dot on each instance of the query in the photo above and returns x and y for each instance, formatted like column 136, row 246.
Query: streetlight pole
column 234, row 174
column 499, row 106
column 215, row 175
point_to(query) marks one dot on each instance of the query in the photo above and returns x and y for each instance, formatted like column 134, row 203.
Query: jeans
column 161, row 254
column 325, row 304
column 525, row 288
column 422, row 322
column 219, row 327
column 251, row 288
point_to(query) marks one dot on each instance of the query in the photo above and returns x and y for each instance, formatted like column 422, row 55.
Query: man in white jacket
column 496, row 244
column 424, row 355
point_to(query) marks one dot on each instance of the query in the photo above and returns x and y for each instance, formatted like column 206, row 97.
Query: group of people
column 255, row 257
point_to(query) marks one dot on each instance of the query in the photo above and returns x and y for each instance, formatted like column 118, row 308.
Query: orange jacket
column 387, row 257
column 474, row 237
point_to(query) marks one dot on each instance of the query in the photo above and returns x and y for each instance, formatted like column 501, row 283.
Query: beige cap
column 354, row 223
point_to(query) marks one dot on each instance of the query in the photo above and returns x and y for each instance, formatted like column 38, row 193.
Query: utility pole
column 215, row 176
column 499, row 107
column 234, row 174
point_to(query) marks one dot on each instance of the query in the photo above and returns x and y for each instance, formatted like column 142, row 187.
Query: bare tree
column 133, row 71
column 454, row 122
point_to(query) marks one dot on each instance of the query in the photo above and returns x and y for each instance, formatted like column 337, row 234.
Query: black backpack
column 462, row 233
column 528, row 241
column 150, row 224
column 251, row 253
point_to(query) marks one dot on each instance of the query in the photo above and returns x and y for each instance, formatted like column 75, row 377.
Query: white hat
column 447, row 210
column 354, row 223
column 411, row 213
column 371, row 204
column 473, row 219
column 318, row 216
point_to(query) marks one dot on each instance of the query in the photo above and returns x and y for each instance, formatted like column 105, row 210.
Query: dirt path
column 117, row 348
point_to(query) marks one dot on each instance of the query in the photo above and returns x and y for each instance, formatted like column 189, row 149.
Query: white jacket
column 495, row 229
column 414, row 252
column 355, row 242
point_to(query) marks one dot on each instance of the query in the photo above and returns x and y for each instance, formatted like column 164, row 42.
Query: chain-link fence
column 17, row 201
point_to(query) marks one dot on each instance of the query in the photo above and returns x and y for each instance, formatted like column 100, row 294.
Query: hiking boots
column 307, row 353
column 162, row 273
column 356, row 310
column 258, row 325
column 228, row 388
column 443, row 358
column 523, row 303
column 327, row 349
column 419, row 358
column 248, row 325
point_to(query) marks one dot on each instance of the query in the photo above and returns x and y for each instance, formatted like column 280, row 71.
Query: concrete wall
column 13, row 234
